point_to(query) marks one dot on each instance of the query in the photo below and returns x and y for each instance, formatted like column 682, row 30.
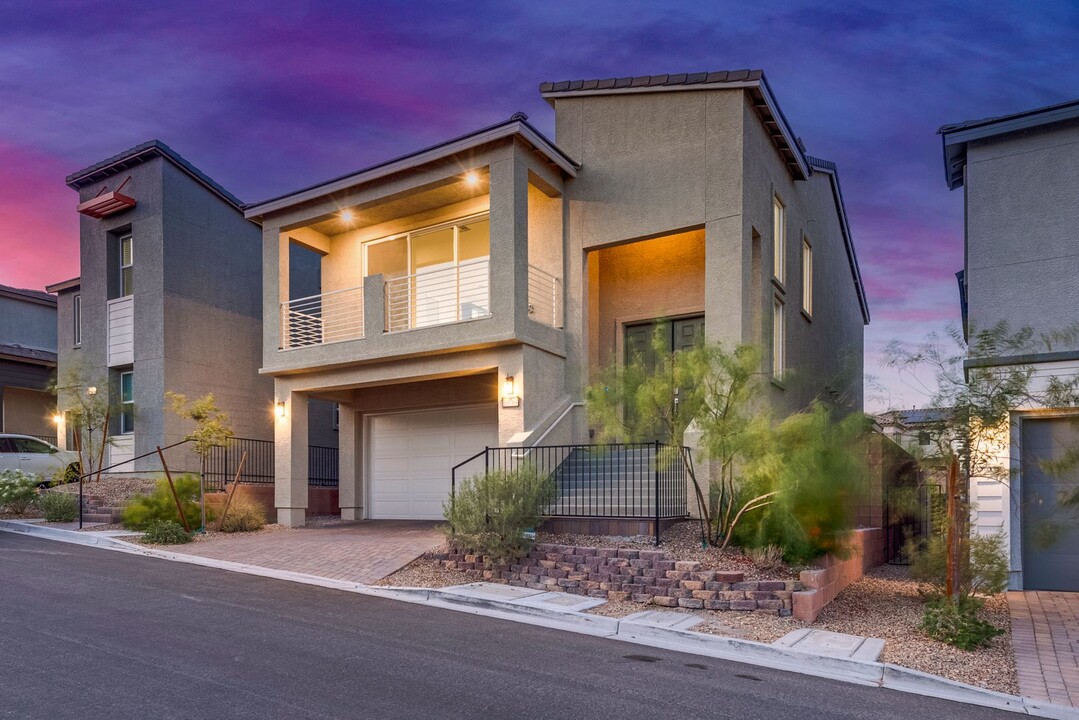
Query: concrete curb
column 859, row 672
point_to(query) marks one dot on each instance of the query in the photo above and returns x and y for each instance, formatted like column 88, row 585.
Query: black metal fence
column 908, row 519
column 220, row 466
column 644, row 481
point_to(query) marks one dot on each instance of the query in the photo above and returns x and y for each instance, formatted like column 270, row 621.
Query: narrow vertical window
column 779, row 240
column 127, row 266
column 127, row 402
column 779, row 350
column 807, row 277
column 76, row 320
column 336, row 416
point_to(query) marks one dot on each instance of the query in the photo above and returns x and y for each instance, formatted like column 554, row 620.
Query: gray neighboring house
column 169, row 298
column 470, row 289
column 27, row 361
column 1020, row 179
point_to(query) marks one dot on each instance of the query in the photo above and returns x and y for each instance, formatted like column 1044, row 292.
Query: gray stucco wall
column 27, row 323
column 1021, row 236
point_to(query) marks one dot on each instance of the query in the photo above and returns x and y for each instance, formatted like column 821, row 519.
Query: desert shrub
column 143, row 509
column 58, row 506
column 490, row 512
column 956, row 622
column 18, row 490
column 983, row 566
column 815, row 468
column 768, row 557
column 165, row 532
column 243, row 516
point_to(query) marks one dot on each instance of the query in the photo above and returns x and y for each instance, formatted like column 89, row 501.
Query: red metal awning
column 107, row 204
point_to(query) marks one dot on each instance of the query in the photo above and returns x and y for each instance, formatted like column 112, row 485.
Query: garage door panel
column 1054, row 566
column 411, row 456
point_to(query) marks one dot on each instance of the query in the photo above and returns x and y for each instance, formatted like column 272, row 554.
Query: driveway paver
column 361, row 552
column 1045, row 636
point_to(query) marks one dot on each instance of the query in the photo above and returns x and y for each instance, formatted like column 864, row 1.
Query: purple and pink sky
column 266, row 97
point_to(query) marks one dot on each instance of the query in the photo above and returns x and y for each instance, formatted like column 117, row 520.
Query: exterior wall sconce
column 279, row 409
column 509, row 393
column 91, row 391
column 57, row 418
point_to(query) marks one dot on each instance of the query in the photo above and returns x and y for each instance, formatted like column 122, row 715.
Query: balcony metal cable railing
column 439, row 297
column 544, row 297
column 319, row 319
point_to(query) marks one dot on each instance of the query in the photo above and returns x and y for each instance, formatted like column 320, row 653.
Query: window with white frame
column 807, row 277
column 127, row 266
column 779, row 240
column 779, row 346
column 76, row 320
column 127, row 402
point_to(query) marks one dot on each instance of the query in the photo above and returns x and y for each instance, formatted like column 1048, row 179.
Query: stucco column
column 61, row 431
column 374, row 306
column 290, row 458
column 724, row 280
column 350, row 462
column 509, row 240
column 511, row 419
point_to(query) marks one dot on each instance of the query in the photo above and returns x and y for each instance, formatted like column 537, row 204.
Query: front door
column 1050, row 535
column 679, row 334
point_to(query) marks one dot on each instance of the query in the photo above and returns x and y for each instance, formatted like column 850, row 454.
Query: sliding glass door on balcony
column 436, row 275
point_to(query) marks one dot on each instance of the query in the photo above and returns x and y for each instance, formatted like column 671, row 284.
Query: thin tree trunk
column 951, row 557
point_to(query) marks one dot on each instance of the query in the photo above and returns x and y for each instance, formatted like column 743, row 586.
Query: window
column 127, row 402
column 779, row 240
column 336, row 416
column 807, row 277
column 76, row 320
column 779, row 350
column 127, row 266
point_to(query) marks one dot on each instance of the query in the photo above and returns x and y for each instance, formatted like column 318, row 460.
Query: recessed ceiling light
column 346, row 215
column 472, row 178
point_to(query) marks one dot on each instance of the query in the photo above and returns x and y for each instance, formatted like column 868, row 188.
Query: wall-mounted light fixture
column 279, row 409
column 91, row 391
column 57, row 418
column 510, row 398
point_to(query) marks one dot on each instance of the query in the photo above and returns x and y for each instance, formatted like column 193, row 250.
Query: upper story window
column 779, row 240
column 807, row 277
column 76, row 320
column 127, row 402
column 779, row 342
column 429, row 249
column 127, row 266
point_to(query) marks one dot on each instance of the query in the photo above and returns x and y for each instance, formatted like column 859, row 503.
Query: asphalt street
column 88, row 633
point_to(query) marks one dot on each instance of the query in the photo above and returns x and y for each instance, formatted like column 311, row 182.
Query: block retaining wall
column 833, row 575
column 647, row 577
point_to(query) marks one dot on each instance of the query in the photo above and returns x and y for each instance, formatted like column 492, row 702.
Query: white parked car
column 37, row 457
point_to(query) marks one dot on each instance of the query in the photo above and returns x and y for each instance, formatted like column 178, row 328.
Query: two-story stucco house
column 166, row 300
column 1020, row 180
column 27, row 361
column 470, row 288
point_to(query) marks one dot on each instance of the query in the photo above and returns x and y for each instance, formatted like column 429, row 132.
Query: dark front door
column 678, row 334
column 1050, row 532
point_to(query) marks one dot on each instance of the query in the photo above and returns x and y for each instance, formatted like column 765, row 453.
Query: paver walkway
column 1045, row 636
column 355, row 551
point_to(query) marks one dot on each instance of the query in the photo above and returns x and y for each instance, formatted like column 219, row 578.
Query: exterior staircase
column 95, row 511
column 609, row 481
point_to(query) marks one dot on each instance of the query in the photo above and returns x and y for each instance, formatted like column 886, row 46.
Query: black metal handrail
column 612, row 481
column 220, row 465
column 322, row 466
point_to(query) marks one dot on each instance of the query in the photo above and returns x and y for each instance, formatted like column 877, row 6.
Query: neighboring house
column 27, row 361
column 916, row 430
column 469, row 289
column 1020, row 178
column 169, row 298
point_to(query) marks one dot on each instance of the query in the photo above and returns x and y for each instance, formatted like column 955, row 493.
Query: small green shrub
column 243, row 516
column 957, row 623
column 141, row 510
column 983, row 568
column 490, row 513
column 165, row 532
column 58, row 506
column 18, row 491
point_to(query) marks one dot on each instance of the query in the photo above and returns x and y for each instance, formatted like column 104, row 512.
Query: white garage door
column 410, row 456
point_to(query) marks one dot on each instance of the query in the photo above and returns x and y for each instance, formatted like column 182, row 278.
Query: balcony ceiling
column 430, row 197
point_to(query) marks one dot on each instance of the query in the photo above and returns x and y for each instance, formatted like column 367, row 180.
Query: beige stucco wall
column 657, row 278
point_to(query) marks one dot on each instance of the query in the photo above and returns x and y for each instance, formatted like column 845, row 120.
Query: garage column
column 290, row 457
column 350, row 462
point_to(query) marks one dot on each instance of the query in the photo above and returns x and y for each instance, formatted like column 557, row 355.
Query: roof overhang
column 764, row 102
column 516, row 126
column 71, row 284
column 32, row 296
column 829, row 168
column 955, row 137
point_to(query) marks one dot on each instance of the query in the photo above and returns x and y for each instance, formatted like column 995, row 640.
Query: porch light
column 509, row 393
column 57, row 418
column 279, row 409
column 91, row 391
column 346, row 215
column 472, row 178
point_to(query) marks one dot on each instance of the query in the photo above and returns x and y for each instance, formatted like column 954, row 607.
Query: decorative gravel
column 111, row 490
column 423, row 572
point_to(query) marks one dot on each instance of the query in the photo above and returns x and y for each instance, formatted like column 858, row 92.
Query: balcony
column 121, row 331
column 439, row 296
column 320, row 319
column 544, row 297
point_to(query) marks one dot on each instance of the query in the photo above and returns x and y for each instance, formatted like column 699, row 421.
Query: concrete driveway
column 356, row 551
column 1045, row 636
